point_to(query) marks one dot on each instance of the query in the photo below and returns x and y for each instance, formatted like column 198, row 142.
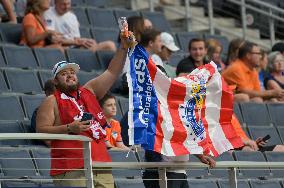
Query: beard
column 67, row 88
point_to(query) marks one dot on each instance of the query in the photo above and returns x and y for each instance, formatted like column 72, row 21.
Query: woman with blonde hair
column 34, row 32
column 214, row 50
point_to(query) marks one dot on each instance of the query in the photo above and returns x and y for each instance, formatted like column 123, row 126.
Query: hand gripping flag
column 185, row 115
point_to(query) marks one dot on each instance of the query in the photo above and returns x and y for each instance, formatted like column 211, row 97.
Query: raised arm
column 103, row 83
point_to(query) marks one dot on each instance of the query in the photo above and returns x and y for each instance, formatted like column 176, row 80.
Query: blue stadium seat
column 102, row 18
column 125, row 13
column 11, row 33
column 240, row 183
column 82, row 17
column 275, row 157
column 85, row 32
column 23, row 81
column 281, row 133
column 238, row 113
column 124, row 104
column 31, row 102
column 12, row 127
column 75, row 3
column 22, row 166
column 98, row 3
column 252, row 156
column 103, row 34
column 104, row 58
column 127, row 183
column 42, row 160
column 84, row 77
column 196, row 172
column 3, row 84
column 255, row 114
column 48, row 57
column 45, row 75
column 276, row 113
column 256, row 132
column 10, row 108
column 23, row 183
column 2, row 60
column 184, row 38
column 19, row 56
column 222, row 173
column 175, row 59
column 265, row 184
column 202, row 183
column 87, row 59
column 158, row 19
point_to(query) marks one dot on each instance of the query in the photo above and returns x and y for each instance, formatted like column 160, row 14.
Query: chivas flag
column 185, row 115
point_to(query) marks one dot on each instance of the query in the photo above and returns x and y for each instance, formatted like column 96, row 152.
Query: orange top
column 240, row 75
column 113, row 133
column 237, row 126
column 31, row 21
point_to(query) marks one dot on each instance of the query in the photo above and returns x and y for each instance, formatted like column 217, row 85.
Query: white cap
column 64, row 65
column 168, row 41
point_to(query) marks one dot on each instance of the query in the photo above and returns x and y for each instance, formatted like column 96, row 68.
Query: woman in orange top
column 35, row 33
column 113, row 132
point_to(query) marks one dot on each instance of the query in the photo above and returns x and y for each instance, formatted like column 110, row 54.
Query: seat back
column 48, row 57
column 102, row 18
column 12, row 127
column 184, row 38
column 11, row 33
column 257, row 132
column 158, row 19
column 31, row 102
column 10, row 108
column 81, row 15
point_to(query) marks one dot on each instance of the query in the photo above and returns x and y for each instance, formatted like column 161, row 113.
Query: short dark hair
column 184, row 67
column 149, row 35
column 245, row 48
column 49, row 86
column 195, row 40
column 106, row 97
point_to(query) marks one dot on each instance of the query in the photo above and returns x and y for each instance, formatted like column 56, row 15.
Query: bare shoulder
column 48, row 103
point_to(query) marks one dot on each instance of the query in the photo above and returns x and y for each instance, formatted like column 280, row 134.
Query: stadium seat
column 23, row 183
column 255, row 114
column 98, row 3
column 11, row 108
column 31, row 102
column 275, row 157
column 124, row 104
column 42, row 160
column 102, row 18
column 45, row 75
column 11, row 33
column 222, row 173
column 240, row 183
column 256, row 132
column 281, row 133
column 82, row 17
column 158, row 19
column 175, row 59
column 19, row 56
column 2, row 60
column 84, row 77
column 48, row 57
column 104, row 58
column 75, row 3
column 276, row 113
column 202, row 183
column 122, row 156
column 265, row 183
column 103, row 34
column 252, row 156
column 125, row 13
column 12, row 127
column 184, row 38
column 3, row 84
column 196, row 172
column 23, row 81
column 127, row 183
column 17, row 163
column 87, row 59
column 238, row 113
column 85, row 32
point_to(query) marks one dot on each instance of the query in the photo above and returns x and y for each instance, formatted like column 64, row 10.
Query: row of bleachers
column 256, row 114
column 20, row 108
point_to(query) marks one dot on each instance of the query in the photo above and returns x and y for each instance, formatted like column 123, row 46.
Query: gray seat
column 31, row 102
column 23, row 81
column 10, row 108
column 196, row 172
column 256, row 132
column 2, row 60
column 85, row 32
column 255, row 114
column 48, row 57
column 127, row 183
column 124, row 104
column 276, row 113
column 158, row 19
column 12, row 127
column 252, row 156
column 104, row 58
column 75, row 3
column 184, row 38
column 42, row 160
column 103, row 34
column 19, row 56
column 202, row 183
column 3, row 84
column 275, row 157
column 175, row 59
column 11, row 33
column 238, row 113
column 45, row 75
column 98, row 3
column 84, row 77
column 265, row 184
column 125, row 13
column 222, row 173
column 102, row 18
column 82, row 17
column 87, row 60
column 240, row 183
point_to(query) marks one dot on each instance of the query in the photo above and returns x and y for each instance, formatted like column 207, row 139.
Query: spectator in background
column 147, row 24
column 214, row 50
column 113, row 138
column 278, row 47
column 49, row 88
column 275, row 80
column 243, row 75
column 8, row 7
column 60, row 18
column 162, row 58
column 35, row 33
column 233, row 50
column 197, row 50
column 261, row 69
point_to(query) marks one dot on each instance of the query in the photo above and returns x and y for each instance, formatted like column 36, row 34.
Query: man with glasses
column 242, row 75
